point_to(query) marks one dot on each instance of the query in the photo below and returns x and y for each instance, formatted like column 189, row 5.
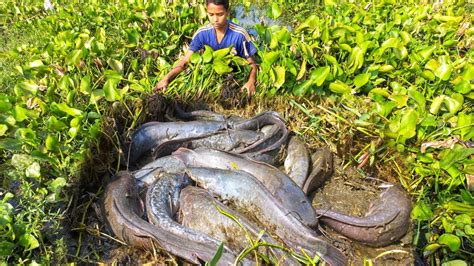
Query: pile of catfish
column 206, row 179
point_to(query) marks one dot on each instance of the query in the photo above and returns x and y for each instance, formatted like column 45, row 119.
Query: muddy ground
column 348, row 190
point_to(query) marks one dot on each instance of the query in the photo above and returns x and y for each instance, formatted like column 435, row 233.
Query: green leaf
column 276, row 11
column 28, row 241
column 319, row 75
column 133, row 37
column 110, row 90
column 36, row 63
column 115, row 65
column 422, row 212
column 85, row 86
column 361, row 79
column 207, row 55
column 463, row 87
column 219, row 54
column 450, row 157
column 454, row 263
column 5, row 105
column 436, row 104
column 57, row 184
column 340, row 87
column 302, row 70
column 19, row 113
column 6, row 248
column 214, row 261
column 408, row 124
column 74, row 58
column 419, row 99
column 452, row 241
column 221, row 67
column 27, row 87
column 10, row 144
column 3, row 129
column 280, row 76
column 302, row 88
column 465, row 124
column 63, row 107
column 52, row 143
column 443, row 72
column 454, row 103
column 34, row 170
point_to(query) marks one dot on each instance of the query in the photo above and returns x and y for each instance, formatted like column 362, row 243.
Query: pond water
column 249, row 17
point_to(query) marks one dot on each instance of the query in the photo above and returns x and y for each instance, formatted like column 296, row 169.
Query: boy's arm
column 174, row 71
column 250, row 85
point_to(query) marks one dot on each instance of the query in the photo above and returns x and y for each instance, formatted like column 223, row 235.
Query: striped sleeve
column 197, row 43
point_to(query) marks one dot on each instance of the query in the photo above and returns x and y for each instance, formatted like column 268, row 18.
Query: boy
column 219, row 33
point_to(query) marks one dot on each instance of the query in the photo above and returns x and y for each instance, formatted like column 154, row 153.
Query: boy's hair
column 225, row 3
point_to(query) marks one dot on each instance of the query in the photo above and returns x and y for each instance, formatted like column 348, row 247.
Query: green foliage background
column 410, row 65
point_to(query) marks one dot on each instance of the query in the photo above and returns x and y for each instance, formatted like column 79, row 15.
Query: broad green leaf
column 319, row 75
column 63, row 107
column 419, row 99
column 52, row 143
column 6, row 248
column 339, row 87
column 386, row 68
column 96, row 95
column 36, row 63
column 207, row 55
column 401, row 100
column 454, row 103
column 27, row 87
column 466, row 125
column 21, row 161
column 408, row 124
column 5, row 105
column 19, row 113
column 85, row 86
column 452, row 241
column 110, row 90
column 302, row 88
column 219, row 54
column 280, row 76
column 10, row 144
column 422, row 212
column 436, row 104
column 54, row 124
column 426, row 52
column 28, row 241
column 443, row 72
column 195, row 58
column 133, row 37
column 302, row 70
column 361, row 79
column 270, row 57
column 432, row 65
column 463, row 87
column 221, row 67
column 450, row 157
column 356, row 59
column 3, row 129
column 34, row 170
column 276, row 10
column 115, row 65
column 57, row 184
column 468, row 72
column 74, row 58
column 454, row 263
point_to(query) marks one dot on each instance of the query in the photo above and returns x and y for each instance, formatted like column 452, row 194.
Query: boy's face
column 217, row 16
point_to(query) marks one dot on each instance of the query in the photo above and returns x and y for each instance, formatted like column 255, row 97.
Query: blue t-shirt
column 235, row 36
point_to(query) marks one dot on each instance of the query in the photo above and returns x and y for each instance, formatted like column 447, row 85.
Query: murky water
column 249, row 17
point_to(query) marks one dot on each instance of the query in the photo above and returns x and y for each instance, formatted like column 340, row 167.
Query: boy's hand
column 250, row 87
column 161, row 86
